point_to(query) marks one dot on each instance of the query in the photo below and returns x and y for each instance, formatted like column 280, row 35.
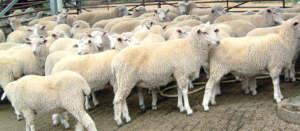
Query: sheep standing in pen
column 212, row 15
column 31, row 95
column 271, row 53
column 93, row 17
column 79, row 29
column 154, row 65
column 97, row 75
column 267, row 18
column 61, row 17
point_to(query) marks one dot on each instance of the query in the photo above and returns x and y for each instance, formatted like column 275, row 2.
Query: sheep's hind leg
column 94, row 98
column 154, row 98
column 211, row 83
column 183, row 84
column 29, row 119
column 253, row 86
column 64, row 120
column 276, row 80
column 55, row 119
column 292, row 73
column 87, row 103
column 141, row 99
column 125, row 112
column 287, row 75
column 245, row 85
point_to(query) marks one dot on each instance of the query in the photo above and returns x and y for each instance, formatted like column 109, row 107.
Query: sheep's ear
column 54, row 35
column 165, row 27
column 27, row 40
column 167, row 10
column 89, row 35
column 42, row 36
column 45, row 41
column 30, row 30
column 105, row 33
column 212, row 11
column 43, row 27
column 75, row 46
column 77, row 26
column 119, row 39
column 179, row 31
column 295, row 23
column 198, row 31
column 137, row 10
column 67, row 10
column 155, row 11
column 216, row 30
column 269, row 11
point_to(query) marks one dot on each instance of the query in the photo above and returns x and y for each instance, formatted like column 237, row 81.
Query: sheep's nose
column 218, row 42
column 34, row 52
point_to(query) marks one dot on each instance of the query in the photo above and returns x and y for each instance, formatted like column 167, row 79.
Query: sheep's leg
column 141, row 99
column 87, row 103
column 245, row 85
column 18, row 114
column 55, row 119
column 180, row 102
column 218, row 89
column 117, row 113
column 275, row 79
column 208, row 91
column 286, row 75
column 83, row 117
column 64, row 120
column 79, row 127
column 253, row 86
column 29, row 119
column 191, row 86
column 213, row 96
column 154, row 98
column 94, row 98
column 125, row 112
column 293, row 72
column 183, row 84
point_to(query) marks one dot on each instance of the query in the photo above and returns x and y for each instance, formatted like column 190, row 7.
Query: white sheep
column 153, row 65
column 266, row 19
column 8, row 45
column 63, row 27
column 31, row 95
column 18, row 36
column 63, row 44
column 93, row 17
column 201, row 12
column 271, row 53
column 91, row 70
column 79, row 29
column 212, row 15
column 61, row 17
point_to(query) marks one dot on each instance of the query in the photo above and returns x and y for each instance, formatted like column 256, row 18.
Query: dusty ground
column 235, row 111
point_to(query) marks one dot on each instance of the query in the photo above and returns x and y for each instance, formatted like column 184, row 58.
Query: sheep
column 270, row 53
column 162, row 14
column 61, row 17
column 266, row 19
column 115, row 21
column 63, row 44
column 29, row 17
column 212, row 15
column 201, row 12
column 286, row 16
column 101, row 23
column 156, row 34
column 185, row 17
column 125, row 26
column 177, row 32
column 8, row 45
column 138, row 11
column 235, row 28
column 54, row 35
column 153, row 65
column 17, row 25
column 2, row 36
column 90, row 70
column 93, row 17
column 79, row 28
column 264, row 31
column 64, row 28
column 48, row 93
column 18, row 36
column 101, row 42
column 49, row 25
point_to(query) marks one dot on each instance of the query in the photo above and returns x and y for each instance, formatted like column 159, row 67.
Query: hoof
column 190, row 113
column 129, row 121
column 206, row 108
column 119, row 124
column 254, row 93
column 97, row 105
column 182, row 110
column 213, row 103
column 154, row 108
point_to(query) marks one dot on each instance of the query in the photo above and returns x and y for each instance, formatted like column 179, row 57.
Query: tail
column 3, row 96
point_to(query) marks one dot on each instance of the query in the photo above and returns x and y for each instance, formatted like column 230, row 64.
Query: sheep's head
column 100, row 39
column 148, row 23
column 57, row 34
column 61, row 16
column 162, row 14
column 206, row 32
column 182, row 32
column 182, row 8
column 139, row 11
column 119, row 42
column 86, row 46
column 39, row 29
column 272, row 16
column 217, row 10
column 38, row 44
column 121, row 11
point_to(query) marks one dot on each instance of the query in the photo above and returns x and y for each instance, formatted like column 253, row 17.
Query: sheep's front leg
column 64, row 120
column 55, row 119
column 252, row 84
column 125, row 112
column 277, row 93
column 209, row 88
column 154, row 98
column 94, row 98
column 19, row 115
column 287, row 75
column 292, row 73
column 141, row 99
column 245, row 85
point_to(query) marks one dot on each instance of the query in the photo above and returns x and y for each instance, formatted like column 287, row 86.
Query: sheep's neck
column 289, row 37
column 199, row 47
column 16, row 24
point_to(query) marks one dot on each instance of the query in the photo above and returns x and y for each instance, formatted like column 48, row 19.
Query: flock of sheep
column 57, row 62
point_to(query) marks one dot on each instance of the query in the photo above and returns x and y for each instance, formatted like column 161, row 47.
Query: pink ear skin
column 54, row 35
column 212, row 11
column 179, row 31
column 75, row 46
column 216, row 30
column 119, row 39
column 89, row 35
column 198, row 31
column 104, row 33
column 296, row 23
column 164, row 27
column 136, row 10
column 43, row 27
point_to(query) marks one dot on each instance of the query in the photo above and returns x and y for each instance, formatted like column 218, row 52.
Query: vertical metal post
column 59, row 4
column 283, row 3
column 159, row 4
column 227, row 4
column 143, row 3
column 7, row 8
column 53, row 7
column 78, row 5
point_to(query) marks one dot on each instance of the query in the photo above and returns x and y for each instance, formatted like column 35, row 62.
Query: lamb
column 101, row 23
column 201, row 12
column 93, row 17
column 2, row 36
column 162, row 14
column 63, row 44
column 125, row 26
column 266, row 19
column 64, row 28
column 155, row 34
column 90, row 70
column 8, row 45
column 177, row 32
column 18, row 36
column 113, row 22
column 138, row 11
column 17, row 25
column 153, row 65
column 235, row 28
column 272, row 53
column 61, row 17
column 185, row 17
column 48, row 93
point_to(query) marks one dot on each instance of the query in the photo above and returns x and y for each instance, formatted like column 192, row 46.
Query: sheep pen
column 235, row 111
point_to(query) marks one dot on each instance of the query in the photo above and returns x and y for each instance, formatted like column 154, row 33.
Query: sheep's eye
column 28, row 43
